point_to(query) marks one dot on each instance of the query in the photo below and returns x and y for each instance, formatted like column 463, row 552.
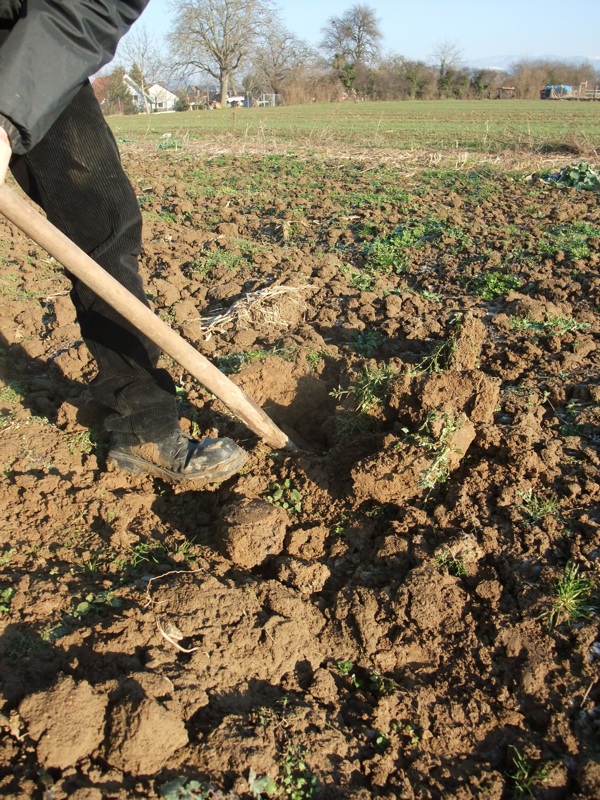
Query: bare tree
column 355, row 36
column 217, row 36
column 279, row 54
column 142, row 59
column 447, row 58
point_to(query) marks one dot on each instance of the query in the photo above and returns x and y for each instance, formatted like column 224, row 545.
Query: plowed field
column 404, row 607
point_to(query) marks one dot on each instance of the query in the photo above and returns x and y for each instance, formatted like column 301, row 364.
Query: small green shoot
column 367, row 343
column 453, row 564
column 13, row 392
column 493, row 284
column 525, row 776
column 551, row 326
column 286, row 496
column 371, row 388
column 188, row 789
column 538, row 507
column 439, row 446
column 95, row 603
column 296, row 779
column 572, row 603
column 439, row 358
column 6, row 595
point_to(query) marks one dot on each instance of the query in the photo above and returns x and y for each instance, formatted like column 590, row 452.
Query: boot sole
column 217, row 474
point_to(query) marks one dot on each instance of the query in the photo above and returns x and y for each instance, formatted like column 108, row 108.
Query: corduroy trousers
column 75, row 175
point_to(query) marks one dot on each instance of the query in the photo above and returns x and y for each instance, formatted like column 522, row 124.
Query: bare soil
column 370, row 616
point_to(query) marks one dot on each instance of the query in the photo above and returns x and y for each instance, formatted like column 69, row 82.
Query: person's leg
column 75, row 175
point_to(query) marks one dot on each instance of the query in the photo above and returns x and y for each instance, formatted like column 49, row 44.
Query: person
column 60, row 150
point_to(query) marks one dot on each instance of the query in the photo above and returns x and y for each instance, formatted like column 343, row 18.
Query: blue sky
column 520, row 28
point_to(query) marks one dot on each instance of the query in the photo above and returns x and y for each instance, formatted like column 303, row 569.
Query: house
column 161, row 99
column 154, row 98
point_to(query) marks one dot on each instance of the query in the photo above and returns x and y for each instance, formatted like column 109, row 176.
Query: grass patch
column 573, row 593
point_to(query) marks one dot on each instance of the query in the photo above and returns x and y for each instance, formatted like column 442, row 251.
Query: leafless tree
column 142, row 59
column 217, row 36
column 279, row 54
column 447, row 58
column 355, row 36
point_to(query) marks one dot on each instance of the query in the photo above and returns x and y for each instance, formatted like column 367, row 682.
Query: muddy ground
column 377, row 614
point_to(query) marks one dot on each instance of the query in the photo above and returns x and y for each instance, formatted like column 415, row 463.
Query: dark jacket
column 48, row 52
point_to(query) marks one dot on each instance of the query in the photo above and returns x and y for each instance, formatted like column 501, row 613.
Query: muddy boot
column 177, row 457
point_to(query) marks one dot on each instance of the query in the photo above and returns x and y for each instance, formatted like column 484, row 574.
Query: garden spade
column 44, row 233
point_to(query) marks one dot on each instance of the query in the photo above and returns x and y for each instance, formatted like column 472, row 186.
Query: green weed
column 95, row 604
column 371, row 388
column 537, row 507
column 352, row 424
column 367, row 343
column 572, row 239
column 552, row 326
column 389, row 254
column 439, row 358
column 370, row 680
column 6, row 595
column 525, row 776
column 233, row 363
column 493, row 284
column 6, row 557
column 437, row 445
column 188, row 789
column 363, row 281
column 578, row 176
column 295, row 778
column 13, row 392
column 453, row 564
column 572, row 602
column 286, row 496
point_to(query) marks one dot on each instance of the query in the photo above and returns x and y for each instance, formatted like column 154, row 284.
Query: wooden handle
column 38, row 228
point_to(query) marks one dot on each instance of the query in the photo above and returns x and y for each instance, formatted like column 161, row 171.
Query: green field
column 489, row 126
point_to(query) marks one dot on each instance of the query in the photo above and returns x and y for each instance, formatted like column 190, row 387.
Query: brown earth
column 373, row 615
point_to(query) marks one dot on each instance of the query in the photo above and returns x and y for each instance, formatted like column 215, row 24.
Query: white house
column 161, row 99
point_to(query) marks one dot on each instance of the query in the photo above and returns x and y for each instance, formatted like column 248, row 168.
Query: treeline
column 398, row 78
column 242, row 47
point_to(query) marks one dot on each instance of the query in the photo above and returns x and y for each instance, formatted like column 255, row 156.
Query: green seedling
column 371, row 388
column 494, row 284
column 95, row 603
column 367, row 343
column 6, row 596
column 439, row 358
column 188, row 789
column 363, row 281
column 525, row 776
column 551, row 326
column 382, row 741
column 439, row 446
column 6, row 557
column 537, row 507
column 368, row 680
column 435, row 297
column 295, row 778
column 572, row 602
column 286, row 496
column 453, row 564
column 234, row 362
column 260, row 785
column 13, row 392
column 313, row 358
